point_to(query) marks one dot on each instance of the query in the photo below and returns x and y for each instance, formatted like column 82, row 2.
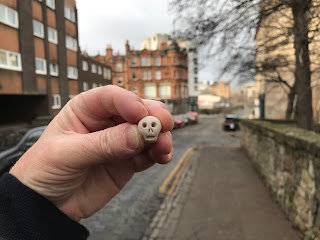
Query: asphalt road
column 128, row 215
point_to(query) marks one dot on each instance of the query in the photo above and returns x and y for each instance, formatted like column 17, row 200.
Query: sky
column 103, row 22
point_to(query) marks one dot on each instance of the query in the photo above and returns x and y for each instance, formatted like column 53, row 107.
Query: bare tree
column 230, row 26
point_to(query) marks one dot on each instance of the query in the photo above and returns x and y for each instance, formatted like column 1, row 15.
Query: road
column 130, row 212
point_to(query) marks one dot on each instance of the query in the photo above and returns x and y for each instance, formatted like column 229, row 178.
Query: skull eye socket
column 144, row 124
column 153, row 124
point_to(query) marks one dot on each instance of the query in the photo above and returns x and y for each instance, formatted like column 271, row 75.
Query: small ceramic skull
column 149, row 127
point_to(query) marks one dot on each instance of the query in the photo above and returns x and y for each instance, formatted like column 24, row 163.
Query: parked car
column 185, row 118
column 192, row 119
column 14, row 143
column 178, row 121
column 231, row 123
column 196, row 116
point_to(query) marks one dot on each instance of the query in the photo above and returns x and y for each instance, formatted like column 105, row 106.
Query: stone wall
column 288, row 159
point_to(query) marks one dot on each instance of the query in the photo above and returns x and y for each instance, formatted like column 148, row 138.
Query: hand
column 92, row 148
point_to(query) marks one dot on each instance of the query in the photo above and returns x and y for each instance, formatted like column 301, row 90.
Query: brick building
column 221, row 89
column 152, row 74
column 93, row 73
column 38, row 57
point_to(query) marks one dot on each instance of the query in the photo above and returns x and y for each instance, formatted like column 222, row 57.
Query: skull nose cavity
column 150, row 132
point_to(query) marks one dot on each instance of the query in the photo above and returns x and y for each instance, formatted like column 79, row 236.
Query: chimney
column 127, row 47
column 109, row 54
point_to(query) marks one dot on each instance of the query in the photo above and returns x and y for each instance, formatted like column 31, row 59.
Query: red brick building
column 160, row 74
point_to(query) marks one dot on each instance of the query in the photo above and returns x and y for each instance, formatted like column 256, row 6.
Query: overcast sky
column 104, row 22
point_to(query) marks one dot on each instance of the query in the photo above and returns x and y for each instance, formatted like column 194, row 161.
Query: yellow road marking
column 164, row 185
column 178, row 176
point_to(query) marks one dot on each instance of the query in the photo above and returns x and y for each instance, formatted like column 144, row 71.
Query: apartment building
column 154, row 43
column 93, row 73
column 160, row 74
column 39, row 57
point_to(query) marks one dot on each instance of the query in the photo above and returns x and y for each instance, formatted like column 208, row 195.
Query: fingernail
column 132, row 137
column 147, row 113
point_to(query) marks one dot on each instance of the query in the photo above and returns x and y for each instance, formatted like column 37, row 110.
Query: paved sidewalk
column 223, row 198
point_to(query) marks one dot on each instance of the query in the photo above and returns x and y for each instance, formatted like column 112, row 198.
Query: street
column 129, row 214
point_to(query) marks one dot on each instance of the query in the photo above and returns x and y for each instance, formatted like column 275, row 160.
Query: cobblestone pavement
column 130, row 213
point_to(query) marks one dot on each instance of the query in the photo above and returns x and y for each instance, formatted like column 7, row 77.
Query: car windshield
column 230, row 120
column 9, row 139
column 176, row 117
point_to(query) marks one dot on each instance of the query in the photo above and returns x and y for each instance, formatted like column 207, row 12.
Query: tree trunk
column 300, row 10
column 291, row 98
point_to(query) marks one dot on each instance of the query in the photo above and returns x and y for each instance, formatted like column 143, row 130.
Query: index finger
column 97, row 107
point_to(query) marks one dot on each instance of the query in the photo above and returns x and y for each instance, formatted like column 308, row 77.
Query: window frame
column 155, row 62
column 56, row 103
column 134, row 63
column 93, row 68
column 119, row 69
column 134, row 73
column 55, row 41
column 165, row 88
column 157, row 77
column 51, row 4
column 72, row 76
column 41, row 34
column 99, row 70
column 6, row 16
column 85, row 65
column 121, row 81
column 8, row 66
column 44, row 71
column 71, row 43
column 55, row 74
column 155, row 91
column 85, row 86
column 70, row 14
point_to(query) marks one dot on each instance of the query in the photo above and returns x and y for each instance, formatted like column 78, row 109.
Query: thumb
column 120, row 142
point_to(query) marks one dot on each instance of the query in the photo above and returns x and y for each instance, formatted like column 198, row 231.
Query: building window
column 145, row 61
column 41, row 66
column 175, row 60
column 196, row 71
column 134, row 75
column 106, row 73
column 93, row 68
column 69, row 14
column 94, row 85
column 119, row 80
column 10, row 60
column 150, row 91
column 118, row 67
column 85, row 86
column 54, row 69
column 134, row 90
column 100, row 85
column 99, row 70
column 176, row 74
column 195, row 80
column 51, row 4
column 165, row 91
column 56, row 101
column 71, row 43
column 195, row 61
column 157, row 61
column 133, row 61
column 9, row 16
column 71, row 96
column 85, row 66
column 146, row 75
column 158, row 75
column 38, row 29
column 72, row 72
column 52, row 35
